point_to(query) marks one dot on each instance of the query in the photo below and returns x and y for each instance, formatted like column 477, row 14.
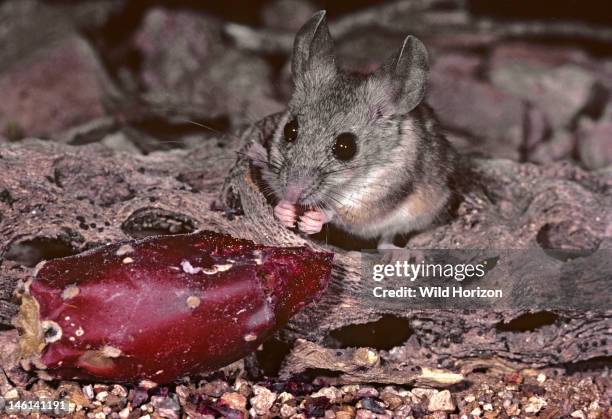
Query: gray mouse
column 362, row 152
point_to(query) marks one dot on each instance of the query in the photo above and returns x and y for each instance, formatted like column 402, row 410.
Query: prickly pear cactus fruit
column 163, row 307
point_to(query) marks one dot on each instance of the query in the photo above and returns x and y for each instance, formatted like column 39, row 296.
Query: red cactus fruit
column 163, row 307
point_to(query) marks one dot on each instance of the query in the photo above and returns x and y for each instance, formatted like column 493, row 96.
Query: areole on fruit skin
column 181, row 305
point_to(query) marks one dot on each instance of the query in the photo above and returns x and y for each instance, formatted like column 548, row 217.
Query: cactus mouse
column 361, row 152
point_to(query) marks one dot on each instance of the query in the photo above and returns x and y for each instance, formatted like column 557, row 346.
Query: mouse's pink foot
column 312, row 221
column 286, row 213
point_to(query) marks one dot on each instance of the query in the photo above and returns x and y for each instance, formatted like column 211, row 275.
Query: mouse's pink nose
column 293, row 192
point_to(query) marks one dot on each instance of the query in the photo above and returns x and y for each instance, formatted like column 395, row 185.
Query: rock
column 187, row 65
column 119, row 390
column 364, row 51
column 263, row 400
column 287, row 15
column 332, row 393
column 459, row 64
column 315, row 406
column 402, row 412
column 125, row 412
column 595, row 143
column 560, row 146
column 441, row 401
column 88, row 392
column 287, row 411
column 166, row 407
column 102, row 396
column 514, row 52
column 39, row 95
column 215, row 388
column 391, row 398
column 345, row 412
column 536, row 126
column 364, row 414
column 423, row 392
column 365, row 357
column 512, row 409
column 367, row 391
column 560, row 91
column 91, row 14
column 234, row 400
column 490, row 115
column 535, row 404
column 372, row 405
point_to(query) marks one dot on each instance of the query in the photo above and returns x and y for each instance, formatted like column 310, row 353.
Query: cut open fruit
column 163, row 307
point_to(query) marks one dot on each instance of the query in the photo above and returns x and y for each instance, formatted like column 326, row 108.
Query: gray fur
column 400, row 149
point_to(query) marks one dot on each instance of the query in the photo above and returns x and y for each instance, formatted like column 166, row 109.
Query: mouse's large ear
column 407, row 71
column 313, row 48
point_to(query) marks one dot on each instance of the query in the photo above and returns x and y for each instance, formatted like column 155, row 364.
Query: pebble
column 234, row 400
column 365, row 357
column 423, row 392
column 364, row 414
column 402, row 412
column 391, row 398
column 441, row 401
column 371, row 405
column 215, row 388
column 263, row 400
column 284, row 397
column 166, row 407
column 535, row 404
column 101, row 396
column 287, row 411
column 367, row 392
column 147, row 384
column 88, row 391
column 513, row 410
column 329, row 414
column 332, row 393
column 346, row 412
column 11, row 394
column 118, row 390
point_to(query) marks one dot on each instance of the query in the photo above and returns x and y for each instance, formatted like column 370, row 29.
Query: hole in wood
column 599, row 363
column 147, row 222
column 528, row 322
column 566, row 236
column 30, row 252
column 272, row 355
column 384, row 334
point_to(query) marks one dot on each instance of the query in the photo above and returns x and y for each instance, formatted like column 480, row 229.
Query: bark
column 57, row 200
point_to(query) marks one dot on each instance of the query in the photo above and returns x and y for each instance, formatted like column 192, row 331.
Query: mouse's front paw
column 286, row 213
column 312, row 221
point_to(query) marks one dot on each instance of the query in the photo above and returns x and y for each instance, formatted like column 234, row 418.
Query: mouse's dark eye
column 345, row 146
column 291, row 130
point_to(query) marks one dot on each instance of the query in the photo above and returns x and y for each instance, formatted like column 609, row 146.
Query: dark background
column 524, row 80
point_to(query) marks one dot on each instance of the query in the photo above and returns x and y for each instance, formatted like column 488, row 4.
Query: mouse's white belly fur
column 418, row 210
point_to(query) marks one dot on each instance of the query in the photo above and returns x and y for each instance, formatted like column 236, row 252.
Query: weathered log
column 57, row 200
